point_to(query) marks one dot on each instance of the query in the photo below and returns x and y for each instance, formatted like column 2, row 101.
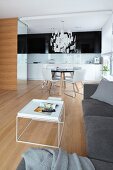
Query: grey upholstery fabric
column 101, row 165
column 21, row 165
column 99, row 137
column 98, row 119
column 104, row 92
column 92, row 107
column 89, row 90
column 57, row 159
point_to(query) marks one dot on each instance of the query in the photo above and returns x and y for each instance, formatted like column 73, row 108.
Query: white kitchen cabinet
column 90, row 71
column 22, row 66
column 98, row 72
column 93, row 71
column 35, row 72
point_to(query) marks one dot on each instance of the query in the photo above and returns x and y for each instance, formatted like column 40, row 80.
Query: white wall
column 22, row 28
column 107, row 36
column 112, row 37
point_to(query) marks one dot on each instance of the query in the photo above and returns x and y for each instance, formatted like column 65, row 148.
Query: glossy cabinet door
column 22, row 66
column 35, row 72
column 93, row 71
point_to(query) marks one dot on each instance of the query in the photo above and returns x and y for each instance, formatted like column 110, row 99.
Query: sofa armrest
column 89, row 89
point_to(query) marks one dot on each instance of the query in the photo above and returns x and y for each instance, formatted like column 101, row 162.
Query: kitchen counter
column 93, row 71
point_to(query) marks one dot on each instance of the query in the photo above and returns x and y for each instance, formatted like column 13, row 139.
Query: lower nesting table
column 28, row 113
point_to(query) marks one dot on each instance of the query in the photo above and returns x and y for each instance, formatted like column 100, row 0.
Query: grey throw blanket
column 49, row 159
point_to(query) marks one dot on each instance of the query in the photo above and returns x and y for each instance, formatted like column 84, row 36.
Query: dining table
column 62, row 72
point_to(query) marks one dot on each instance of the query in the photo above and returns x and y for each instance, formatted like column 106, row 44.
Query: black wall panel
column 86, row 42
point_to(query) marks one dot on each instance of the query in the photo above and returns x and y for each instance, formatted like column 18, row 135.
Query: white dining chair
column 71, row 74
column 48, row 80
column 78, row 76
column 55, row 75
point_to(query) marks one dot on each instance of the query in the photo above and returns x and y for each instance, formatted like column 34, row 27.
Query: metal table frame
column 59, row 130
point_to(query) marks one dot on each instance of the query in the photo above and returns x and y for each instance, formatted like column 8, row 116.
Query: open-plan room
column 56, row 85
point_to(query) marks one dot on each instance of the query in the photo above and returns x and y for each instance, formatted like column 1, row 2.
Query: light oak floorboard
column 73, row 139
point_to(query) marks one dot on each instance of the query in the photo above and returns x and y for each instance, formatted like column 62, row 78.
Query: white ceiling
column 78, row 15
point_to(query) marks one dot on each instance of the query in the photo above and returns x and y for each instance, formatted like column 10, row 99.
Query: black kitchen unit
column 86, row 42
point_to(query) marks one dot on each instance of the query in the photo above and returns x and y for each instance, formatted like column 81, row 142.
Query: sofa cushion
column 89, row 89
column 104, row 92
column 94, row 107
column 99, row 138
column 101, row 165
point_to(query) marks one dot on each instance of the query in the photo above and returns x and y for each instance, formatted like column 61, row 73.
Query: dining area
column 61, row 77
column 38, row 62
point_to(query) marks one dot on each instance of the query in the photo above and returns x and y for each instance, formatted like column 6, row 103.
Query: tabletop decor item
column 105, row 70
column 46, row 107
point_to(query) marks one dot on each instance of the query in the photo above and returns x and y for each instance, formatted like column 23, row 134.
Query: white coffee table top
column 28, row 111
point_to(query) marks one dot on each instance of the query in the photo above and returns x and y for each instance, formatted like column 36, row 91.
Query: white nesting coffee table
column 28, row 112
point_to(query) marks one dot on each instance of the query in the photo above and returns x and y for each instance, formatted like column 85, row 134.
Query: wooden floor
column 12, row 101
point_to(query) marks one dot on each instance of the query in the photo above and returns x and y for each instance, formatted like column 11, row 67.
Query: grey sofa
column 98, row 121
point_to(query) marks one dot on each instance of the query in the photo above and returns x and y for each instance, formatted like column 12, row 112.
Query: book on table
column 46, row 107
